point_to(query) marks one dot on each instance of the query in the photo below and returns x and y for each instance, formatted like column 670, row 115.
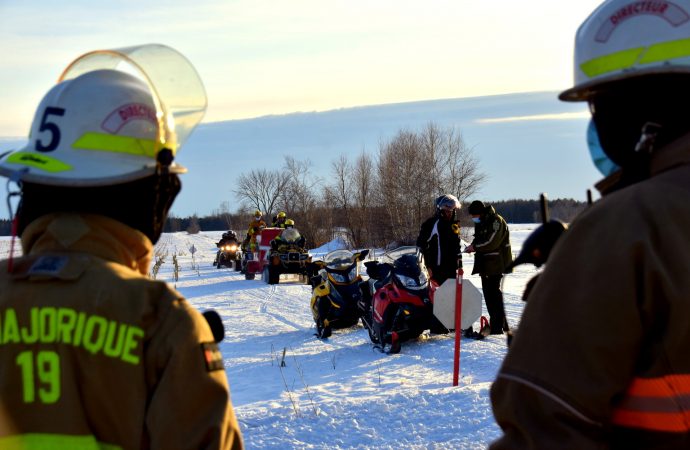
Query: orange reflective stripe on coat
column 658, row 404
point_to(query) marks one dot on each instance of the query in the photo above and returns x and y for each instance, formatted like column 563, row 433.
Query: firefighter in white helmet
column 601, row 356
column 94, row 354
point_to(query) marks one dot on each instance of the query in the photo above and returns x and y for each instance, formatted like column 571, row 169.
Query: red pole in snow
column 458, row 326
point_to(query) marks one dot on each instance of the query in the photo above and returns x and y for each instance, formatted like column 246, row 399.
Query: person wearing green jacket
column 492, row 256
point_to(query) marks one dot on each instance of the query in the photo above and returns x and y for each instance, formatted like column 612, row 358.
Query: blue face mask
column 476, row 219
column 601, row 161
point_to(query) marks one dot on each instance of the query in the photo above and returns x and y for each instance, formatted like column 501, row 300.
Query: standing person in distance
column 492, row 256
column 439, row 239
column 95, row 354
column 255, row 226
column 601, row 359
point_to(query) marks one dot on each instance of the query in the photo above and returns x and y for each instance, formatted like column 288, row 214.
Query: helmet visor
column 177, row 88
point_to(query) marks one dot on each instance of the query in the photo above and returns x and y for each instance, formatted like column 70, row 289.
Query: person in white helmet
column 601, row 357
column 93, row 353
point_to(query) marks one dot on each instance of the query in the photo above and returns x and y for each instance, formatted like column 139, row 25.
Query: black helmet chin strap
column 14, row 216
column 166, row 188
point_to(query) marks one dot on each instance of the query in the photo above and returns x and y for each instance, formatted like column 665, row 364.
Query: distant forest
column 513, row 211
column 528, row 211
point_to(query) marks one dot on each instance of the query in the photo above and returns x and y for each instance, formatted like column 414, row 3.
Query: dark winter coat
column 491, row 244
column 439, row 241
column 602, row 355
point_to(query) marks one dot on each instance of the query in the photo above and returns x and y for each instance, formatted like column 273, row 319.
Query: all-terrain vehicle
column 255, row 257
column 287, row 255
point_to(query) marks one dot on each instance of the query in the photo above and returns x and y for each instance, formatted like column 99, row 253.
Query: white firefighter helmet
column 105, row 124
column 625, row 38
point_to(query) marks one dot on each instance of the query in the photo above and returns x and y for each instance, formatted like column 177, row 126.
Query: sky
column 274, row 57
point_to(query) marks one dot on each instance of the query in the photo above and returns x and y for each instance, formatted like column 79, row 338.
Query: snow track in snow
column 339, row 393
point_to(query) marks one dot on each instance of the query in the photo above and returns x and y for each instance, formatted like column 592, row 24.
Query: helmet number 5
column 47, row 125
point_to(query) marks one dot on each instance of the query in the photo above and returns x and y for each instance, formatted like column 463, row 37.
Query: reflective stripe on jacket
column 656, row 404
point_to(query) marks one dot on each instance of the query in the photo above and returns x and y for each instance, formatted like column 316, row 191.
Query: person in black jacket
column 439, row 240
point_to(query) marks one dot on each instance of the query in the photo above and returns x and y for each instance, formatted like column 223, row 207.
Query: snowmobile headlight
column 423, row 278
column 232, row 247
column 412, row 283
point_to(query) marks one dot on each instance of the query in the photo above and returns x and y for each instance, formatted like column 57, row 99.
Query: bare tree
column 362, row 191
column 299, row 199
column 261, row 188
column 460, row 174
column 379, row 200
column 338, row 194
column 404, row 185
column 415, row 168
column 224, row 214
column 350, row 197
column 194, row 227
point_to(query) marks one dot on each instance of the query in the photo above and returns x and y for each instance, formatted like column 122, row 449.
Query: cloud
column 557, row 116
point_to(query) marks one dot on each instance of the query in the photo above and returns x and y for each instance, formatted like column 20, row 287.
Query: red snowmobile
column 397, row 300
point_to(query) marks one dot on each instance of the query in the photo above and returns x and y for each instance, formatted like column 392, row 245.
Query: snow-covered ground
column 340, row 393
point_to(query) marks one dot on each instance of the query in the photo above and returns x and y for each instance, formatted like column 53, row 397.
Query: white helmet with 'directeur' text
column 623, row 39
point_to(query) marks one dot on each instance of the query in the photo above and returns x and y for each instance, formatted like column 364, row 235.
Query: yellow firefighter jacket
column 255, row 227
column 94, row 354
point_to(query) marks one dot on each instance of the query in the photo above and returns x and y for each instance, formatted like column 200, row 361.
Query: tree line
column 513, row 211
column 372, row 200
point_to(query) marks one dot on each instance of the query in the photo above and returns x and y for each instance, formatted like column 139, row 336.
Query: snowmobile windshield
column 409, row 268
column 339, row 259
column 290, row 235
column 341, row 266
column 393, row 255
column 413, row 283
column 343, row 276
